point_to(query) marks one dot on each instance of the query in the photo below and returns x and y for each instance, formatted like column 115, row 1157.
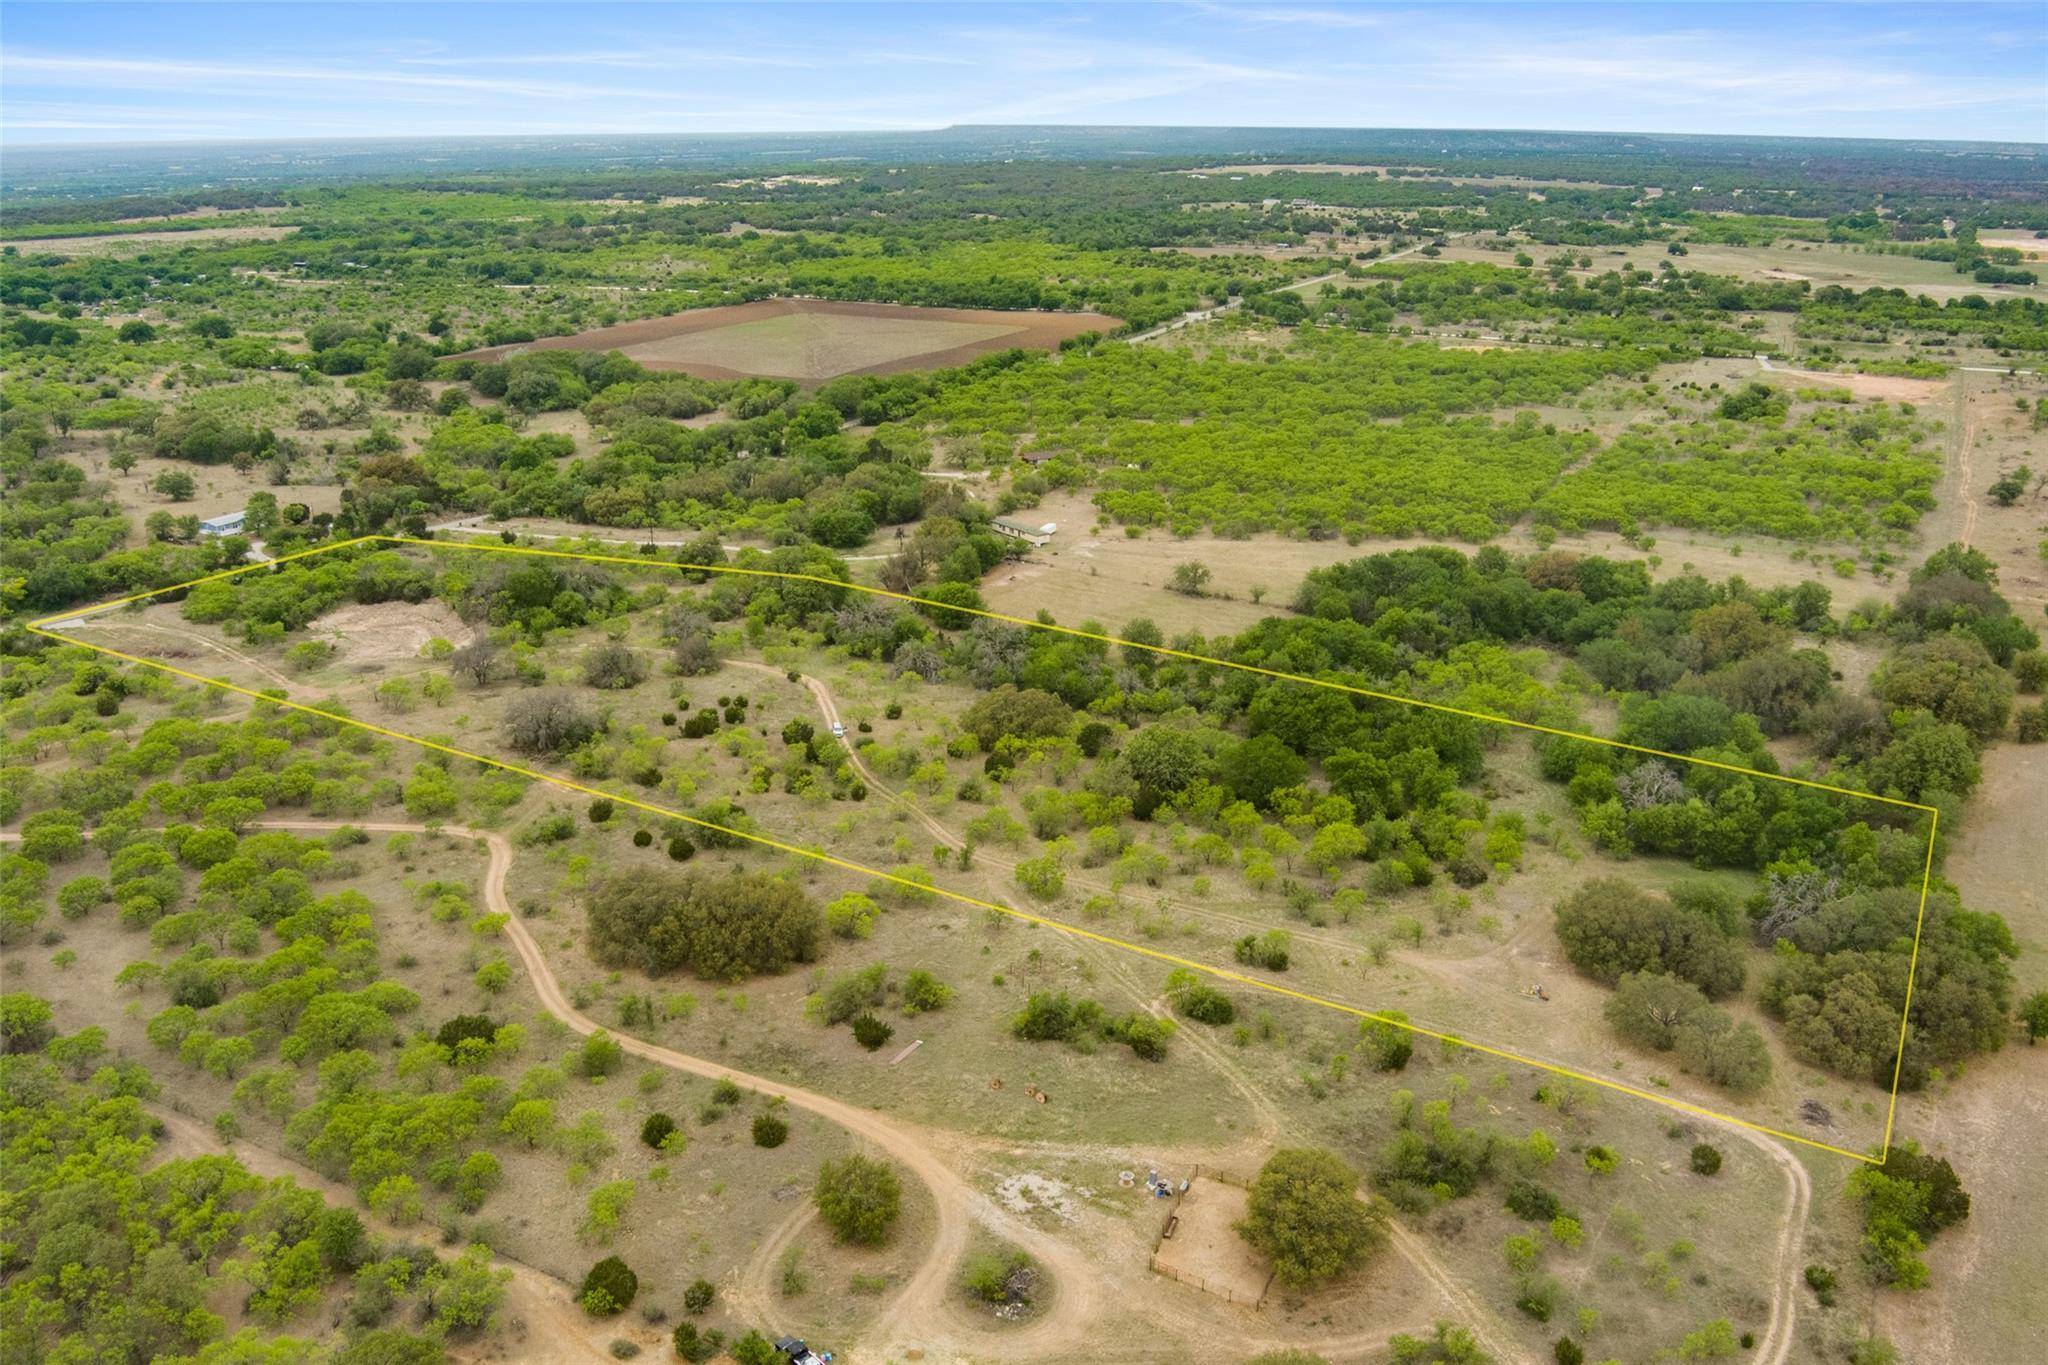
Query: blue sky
column 85, row 72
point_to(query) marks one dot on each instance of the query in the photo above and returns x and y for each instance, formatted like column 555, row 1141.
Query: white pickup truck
column 800, row 1354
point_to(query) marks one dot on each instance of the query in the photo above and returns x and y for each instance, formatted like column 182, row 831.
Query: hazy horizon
column 740, row 134
column 177, row 73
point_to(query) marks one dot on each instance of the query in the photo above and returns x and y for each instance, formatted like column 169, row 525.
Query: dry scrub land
column 729, row 1213
column 1471, row 970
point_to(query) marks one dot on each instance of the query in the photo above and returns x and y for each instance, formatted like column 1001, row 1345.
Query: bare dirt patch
column 1205, row 1250
column 816, row 339
column 135, row 243
column 1891, row 388
column 388, row 632
column 1027, row 1191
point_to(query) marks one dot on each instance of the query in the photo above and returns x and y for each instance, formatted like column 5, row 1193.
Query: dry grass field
column 135, row 243
column 1382, row 172
column 1104, row 575
column 813, row 340
column 1818, row 263
column 1468, row 969
column 1220, row 1100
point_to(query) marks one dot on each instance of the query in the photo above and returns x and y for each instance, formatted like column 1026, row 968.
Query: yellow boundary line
column 44, row 626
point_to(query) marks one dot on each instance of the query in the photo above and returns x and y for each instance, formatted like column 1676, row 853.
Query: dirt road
column 192, row 636
column 1775, row 1344
column 1407, row 1244
column 1195, row 315
column 920, row 1317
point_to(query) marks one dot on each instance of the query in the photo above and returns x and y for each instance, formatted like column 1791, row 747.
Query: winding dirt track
column 920, row 1316
column 1774, row 1346
column 919, row 1313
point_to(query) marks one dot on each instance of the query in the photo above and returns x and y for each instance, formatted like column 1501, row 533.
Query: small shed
column 228, row 525
column 1019, row 530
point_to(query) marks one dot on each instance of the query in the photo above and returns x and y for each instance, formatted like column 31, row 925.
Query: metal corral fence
column 1192, row 1278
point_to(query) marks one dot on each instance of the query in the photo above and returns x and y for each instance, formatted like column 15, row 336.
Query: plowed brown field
column 816, row 339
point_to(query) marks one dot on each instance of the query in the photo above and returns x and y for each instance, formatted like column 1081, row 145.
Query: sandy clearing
column 191, row 636
column 388, row 632
column 1889, row 387
column 1205, row 1250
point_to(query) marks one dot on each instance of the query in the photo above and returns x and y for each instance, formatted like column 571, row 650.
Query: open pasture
column 135, row 243
column 1820, row 265
column 812, row 340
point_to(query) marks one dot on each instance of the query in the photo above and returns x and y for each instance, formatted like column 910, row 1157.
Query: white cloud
column 1282, row 16
column 1703, row 70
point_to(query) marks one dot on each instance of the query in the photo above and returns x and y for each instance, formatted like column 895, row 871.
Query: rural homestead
column 1025, row 684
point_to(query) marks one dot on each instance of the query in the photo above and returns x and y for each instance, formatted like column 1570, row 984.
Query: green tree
column 532, row 1121
column 1260, row 766
column 2034, row 1014
column 1906, row 1201
column 1709, row 1342
column 1190, row 578
column 467, row 1293
column 859, row 1198
column 755, row 1349
column 923, row 992
column 1609, row 927
column 24, row 1022
column 1026, row 713
column 1954, row 678
column 1647, row 1008
column 1165, row 760
column 609, row 1288
column 1449, row 1345
column 605, row 1210
column 1305, row 1214
column 479, row 1174
column 599, row 1056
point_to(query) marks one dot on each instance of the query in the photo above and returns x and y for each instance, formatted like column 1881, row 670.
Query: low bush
column 870, row 1032
column 1527, row 1199
column 998, row 1277
column 608, row 1288
column 656, row 1130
